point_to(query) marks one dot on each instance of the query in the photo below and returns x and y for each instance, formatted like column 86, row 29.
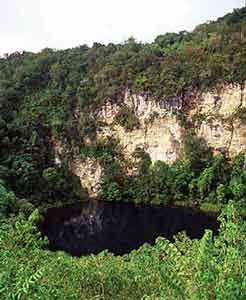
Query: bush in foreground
column 210, row 268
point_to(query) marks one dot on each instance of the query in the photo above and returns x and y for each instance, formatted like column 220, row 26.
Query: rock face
column 160, row 133
column 221, row 129
column 223, row 102
column 90, row 173
column 88, row 170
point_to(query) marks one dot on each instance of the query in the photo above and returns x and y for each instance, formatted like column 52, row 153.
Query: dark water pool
column 91, row 227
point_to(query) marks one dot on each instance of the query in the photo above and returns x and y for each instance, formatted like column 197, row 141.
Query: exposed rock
column 89, row 170
column 160, row 139
column 216, row 133
column 238, row 142
column 221, row 129
column 159, row 132
column 58, row 150
column 90, row 173
column 223, row 102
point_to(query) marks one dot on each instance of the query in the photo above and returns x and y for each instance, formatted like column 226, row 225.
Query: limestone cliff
column 221, row 127
column 212, row 114
column 158, row 133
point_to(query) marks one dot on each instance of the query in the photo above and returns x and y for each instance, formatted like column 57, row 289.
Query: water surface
column 91, row 227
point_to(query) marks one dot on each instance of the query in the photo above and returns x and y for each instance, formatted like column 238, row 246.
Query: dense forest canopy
column 39, row 96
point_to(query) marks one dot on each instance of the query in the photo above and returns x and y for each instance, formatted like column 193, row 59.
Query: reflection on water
column 91, row 227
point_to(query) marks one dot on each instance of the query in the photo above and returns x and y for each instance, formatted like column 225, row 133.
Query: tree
column 7, row 200
column 196, row 152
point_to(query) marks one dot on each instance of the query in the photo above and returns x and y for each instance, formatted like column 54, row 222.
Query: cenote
column 91, row 227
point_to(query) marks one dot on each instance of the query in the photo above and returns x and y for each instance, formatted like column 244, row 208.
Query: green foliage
column 22, row 234
column 111, row 192
column 218, row 181
column 55, row 95
column 212, row 54
column 127, row 118
column 241, row 115
column 210, row 268
column 237, row 185
column 142, row 160
column 87, row 125
column 24, row 173
column 196, row 151
column 213, row 179
column 7, row 200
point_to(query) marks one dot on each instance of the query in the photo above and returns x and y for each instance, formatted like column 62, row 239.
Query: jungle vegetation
column 39, row 96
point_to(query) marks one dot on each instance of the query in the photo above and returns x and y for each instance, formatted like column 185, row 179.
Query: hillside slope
column 104, row 113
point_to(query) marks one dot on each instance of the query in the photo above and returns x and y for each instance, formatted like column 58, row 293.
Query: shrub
column 241, row 115
column 7, row 200
column 213, row 267
column 127, row 118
